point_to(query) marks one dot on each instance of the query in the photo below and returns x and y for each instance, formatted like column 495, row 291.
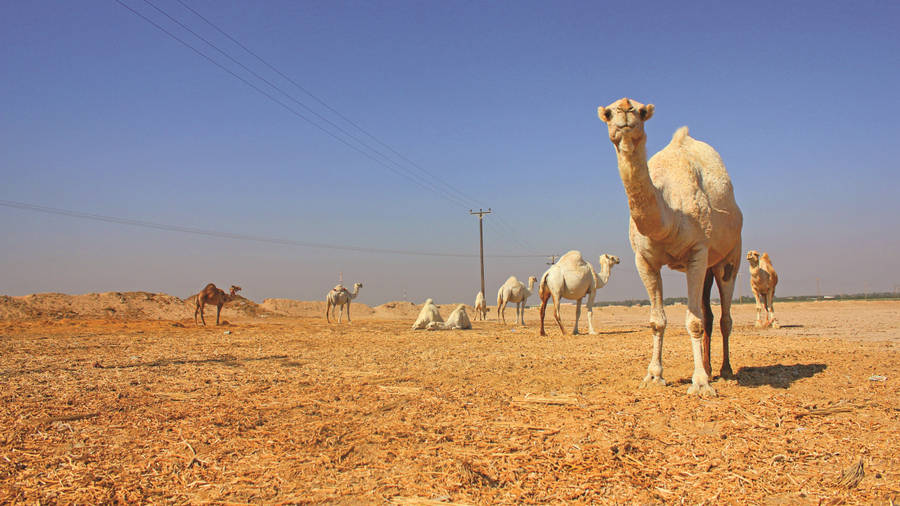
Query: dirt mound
column 401, row 310
column 309, row 309
column 127, row 305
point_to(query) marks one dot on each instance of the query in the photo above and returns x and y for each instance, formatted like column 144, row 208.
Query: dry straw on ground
column 291, row 410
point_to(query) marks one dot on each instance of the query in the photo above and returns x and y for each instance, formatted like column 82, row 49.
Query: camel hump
column 680, row 135
column 572, row 257
column 765, row 256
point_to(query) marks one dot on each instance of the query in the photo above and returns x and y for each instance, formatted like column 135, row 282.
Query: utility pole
column 818, row 291
column 552, row 259
column 480, row 213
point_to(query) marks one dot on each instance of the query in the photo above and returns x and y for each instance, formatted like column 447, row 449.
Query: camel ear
column 604, row 114
column 646, row 112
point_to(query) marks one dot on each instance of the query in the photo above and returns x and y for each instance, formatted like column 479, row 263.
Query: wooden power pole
column 480, row 213
column 552, row 259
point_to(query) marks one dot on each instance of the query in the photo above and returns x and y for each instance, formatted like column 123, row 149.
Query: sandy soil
column 134, row 406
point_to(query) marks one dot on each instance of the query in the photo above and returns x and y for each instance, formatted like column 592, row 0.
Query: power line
column 325, row 105
column 448, row 192
column 286, row 106
column 290, row 97
column 238, row 237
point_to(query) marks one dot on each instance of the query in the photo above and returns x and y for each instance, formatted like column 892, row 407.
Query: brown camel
column 213, row 295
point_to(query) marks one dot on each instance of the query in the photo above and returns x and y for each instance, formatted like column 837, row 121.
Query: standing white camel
column 572, row 278
column 340, row 296
column 480, row 306
column 514, row 291
column 683, row 214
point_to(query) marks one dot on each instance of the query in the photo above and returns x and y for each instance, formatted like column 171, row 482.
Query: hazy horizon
column 105, row 114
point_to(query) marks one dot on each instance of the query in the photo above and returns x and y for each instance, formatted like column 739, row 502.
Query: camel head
column 357, row 286
column 753, row 257
column 625, row 119
column 609, row 259
column 429, row 301
column 234, row 290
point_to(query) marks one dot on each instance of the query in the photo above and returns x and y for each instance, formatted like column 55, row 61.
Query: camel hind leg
column 201, row 306
column 707, row 321
column 577, row 317
column 556, row 303
column 327, row 310
column 218, row 311
column 725, row 275
column 544, row 300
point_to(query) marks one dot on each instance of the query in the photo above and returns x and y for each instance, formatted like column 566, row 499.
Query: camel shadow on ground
column 776, row 376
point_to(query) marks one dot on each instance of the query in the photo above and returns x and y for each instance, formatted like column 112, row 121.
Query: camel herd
column 683, row 215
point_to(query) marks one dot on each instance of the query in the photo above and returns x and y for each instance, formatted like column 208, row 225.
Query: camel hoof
column 776, row 325
column 651, row 380
column 593, row 332
column 726, row 373
column 758, row 324
column 701, row 390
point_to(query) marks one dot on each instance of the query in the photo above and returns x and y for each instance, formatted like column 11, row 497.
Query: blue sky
column 103, row 113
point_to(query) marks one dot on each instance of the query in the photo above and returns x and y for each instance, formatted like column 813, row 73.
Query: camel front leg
column 759, row 309
column 218, row 311
column 348, row 313
column 341, row 314
column 520, row 311
column 196, row 310
column 693, row 321
column 327, row 311
column 770, row 308
column 653, row 284
column 590, row 311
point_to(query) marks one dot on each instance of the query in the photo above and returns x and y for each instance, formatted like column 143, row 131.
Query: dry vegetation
column 289, row 409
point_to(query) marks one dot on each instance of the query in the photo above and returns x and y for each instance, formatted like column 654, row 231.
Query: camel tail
column 680, row 135
column 543, row 289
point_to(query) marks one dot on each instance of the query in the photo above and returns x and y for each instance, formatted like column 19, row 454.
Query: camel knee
column 725, row 324
column 693, row 324
column 658, row 323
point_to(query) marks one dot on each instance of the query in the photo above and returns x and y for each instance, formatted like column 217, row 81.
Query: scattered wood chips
column 298, row 411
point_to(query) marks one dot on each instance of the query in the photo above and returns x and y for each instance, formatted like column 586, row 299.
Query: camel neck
column 648, row 211
column 604, row 274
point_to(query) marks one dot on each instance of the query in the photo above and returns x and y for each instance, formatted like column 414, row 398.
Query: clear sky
column 100, row 112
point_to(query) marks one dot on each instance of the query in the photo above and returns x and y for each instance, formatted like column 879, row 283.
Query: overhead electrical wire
column 441, row 187
column 238, row 237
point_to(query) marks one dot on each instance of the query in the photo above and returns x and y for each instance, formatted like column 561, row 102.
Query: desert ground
column 120, row 397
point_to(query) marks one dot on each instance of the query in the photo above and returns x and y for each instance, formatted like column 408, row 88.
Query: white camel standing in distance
column 571, row 277
column 480, row 306
column 340, row 296
column 514, row 291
